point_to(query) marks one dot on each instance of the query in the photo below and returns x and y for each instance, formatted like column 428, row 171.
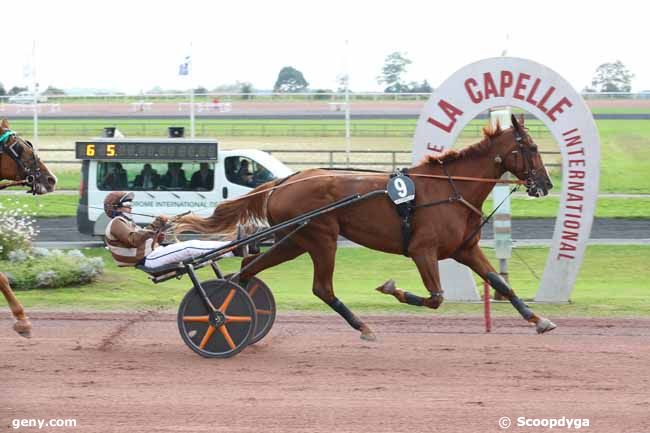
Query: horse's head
column 519, row 155
column 19, row 161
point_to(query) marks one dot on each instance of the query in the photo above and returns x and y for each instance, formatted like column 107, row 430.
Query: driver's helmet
column 116, row 200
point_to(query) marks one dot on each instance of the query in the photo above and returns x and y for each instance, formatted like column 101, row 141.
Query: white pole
column 35, row 87
column 347, row 106
column 191, row 66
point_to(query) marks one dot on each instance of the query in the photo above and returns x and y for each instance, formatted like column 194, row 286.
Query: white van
column 26, row 97
column 168, row 176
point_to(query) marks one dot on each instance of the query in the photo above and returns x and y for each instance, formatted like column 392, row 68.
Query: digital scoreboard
column 173, row 149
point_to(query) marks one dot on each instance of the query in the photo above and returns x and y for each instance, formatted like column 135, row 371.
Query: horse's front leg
column 427, row 264
column 22, row 325
column 475, row 259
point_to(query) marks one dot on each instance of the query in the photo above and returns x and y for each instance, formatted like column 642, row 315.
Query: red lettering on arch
column 569, row 236
column 529, row 98
column 557, row 108
column 475, row 97
column 506, row 82
column 521, row 85
column 452, row 113
column 576, row 186
column 490, row 87
column 567, row 247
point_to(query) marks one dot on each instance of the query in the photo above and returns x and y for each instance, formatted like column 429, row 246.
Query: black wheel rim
column 264, row 302
column 221, row 334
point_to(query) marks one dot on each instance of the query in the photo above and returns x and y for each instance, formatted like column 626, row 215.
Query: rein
column 433, row 176
column 471, row 179
column 485, row 221
column 12, row 183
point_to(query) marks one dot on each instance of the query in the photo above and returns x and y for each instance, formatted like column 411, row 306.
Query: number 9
column 400, row 186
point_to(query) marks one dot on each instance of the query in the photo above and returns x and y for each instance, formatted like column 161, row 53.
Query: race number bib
column 401, row 189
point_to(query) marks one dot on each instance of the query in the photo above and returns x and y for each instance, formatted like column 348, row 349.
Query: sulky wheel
column 264, row 306
column 223, row 333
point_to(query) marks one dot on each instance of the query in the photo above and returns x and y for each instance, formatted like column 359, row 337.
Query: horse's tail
column 249, row 209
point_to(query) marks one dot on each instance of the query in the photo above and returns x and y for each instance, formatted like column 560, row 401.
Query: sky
column 133, row 46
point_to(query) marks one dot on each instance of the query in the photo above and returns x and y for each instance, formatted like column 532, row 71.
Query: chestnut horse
column 20, row 164
column 458, row 181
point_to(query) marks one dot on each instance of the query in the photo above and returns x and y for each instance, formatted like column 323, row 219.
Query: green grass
column 614, row 281
column 68, row 179
column 66, row 205
column 46, row 206
column 625, row 144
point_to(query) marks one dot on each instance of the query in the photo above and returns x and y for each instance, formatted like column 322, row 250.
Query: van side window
column 246, row 172
column 146, row 176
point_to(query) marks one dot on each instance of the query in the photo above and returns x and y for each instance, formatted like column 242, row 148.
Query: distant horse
column 458, row 181
column 20, row 165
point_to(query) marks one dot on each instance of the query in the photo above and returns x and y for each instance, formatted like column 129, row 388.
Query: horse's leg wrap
column 412, row 299
column 502, row 287
column 405, row 297
column 345, row 312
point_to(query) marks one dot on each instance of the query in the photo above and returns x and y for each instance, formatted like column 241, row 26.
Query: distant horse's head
column 518, row 154
column 19, row 161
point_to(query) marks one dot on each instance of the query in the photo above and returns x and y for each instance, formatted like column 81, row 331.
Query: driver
column 131, row 245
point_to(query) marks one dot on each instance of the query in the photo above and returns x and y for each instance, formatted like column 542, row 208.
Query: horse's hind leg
column 22, row 325
column 428, row 267
column 475, row 259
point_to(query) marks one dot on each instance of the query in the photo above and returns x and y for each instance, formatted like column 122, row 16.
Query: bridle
column 532, row 180
column 29, row 170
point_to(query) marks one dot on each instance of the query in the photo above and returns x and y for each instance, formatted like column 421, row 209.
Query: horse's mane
column 470, row 151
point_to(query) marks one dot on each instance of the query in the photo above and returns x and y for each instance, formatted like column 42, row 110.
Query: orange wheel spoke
column 227, row 301
column 253, row 289
column 226, row 335
column 206, row 337
column 267, row 312
column 196, row 319
column 237, row 319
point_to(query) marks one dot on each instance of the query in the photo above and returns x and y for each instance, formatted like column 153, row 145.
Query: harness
column 405, row 206
column 401, row 190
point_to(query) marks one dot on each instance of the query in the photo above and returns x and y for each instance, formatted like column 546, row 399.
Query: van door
column 243, row 173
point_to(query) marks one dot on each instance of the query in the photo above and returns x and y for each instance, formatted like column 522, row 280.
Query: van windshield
column 246, row 171
column 146, row 176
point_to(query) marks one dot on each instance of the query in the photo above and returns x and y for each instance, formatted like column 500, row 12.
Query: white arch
column 509, row 81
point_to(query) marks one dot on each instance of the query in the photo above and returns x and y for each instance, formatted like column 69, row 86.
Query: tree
column 16, row 90
column 343, row 81
column 423, row 87
column 200, row 90
column 290, row 80
column 391, row 74
column 3, row 92
column 246, row 88
column 612, row 77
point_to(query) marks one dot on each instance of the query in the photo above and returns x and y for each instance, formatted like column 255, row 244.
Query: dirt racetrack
column 132, row 373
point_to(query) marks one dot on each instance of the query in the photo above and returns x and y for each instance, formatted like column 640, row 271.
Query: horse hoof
column 368, row 336
column 23, row 328
column 387, row 288
column 544, row 325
